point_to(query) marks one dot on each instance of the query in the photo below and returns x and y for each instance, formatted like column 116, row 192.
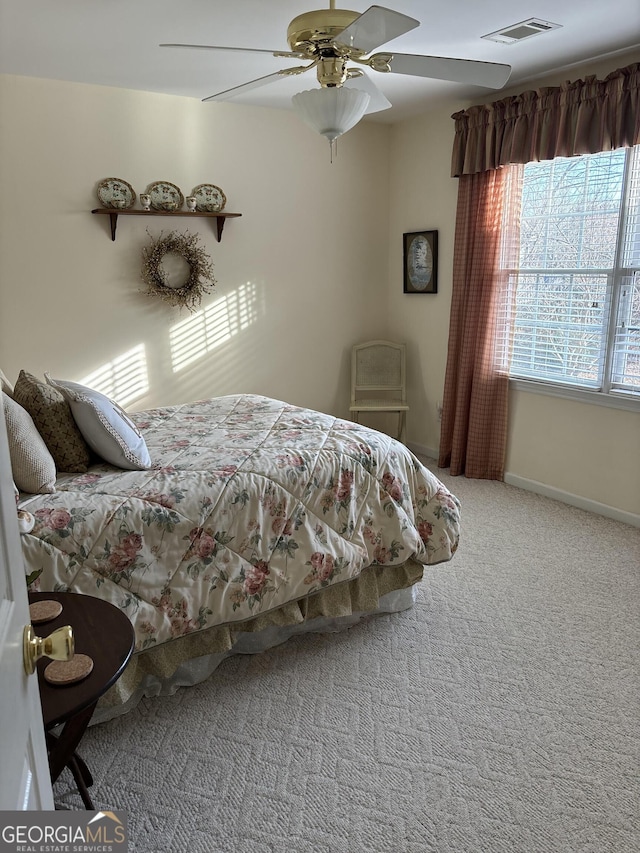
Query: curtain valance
column 581, row 117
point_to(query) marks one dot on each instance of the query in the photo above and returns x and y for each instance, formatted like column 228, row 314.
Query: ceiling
column 115, row 43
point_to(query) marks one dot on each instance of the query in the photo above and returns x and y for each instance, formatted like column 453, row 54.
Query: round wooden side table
column 106, row 635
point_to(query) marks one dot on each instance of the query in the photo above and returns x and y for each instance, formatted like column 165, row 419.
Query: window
column 577, row 285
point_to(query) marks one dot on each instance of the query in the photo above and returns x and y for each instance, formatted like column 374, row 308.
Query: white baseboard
column 578, row 501
column 573, row 500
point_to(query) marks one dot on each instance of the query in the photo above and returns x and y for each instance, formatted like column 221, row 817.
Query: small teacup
column 169, row 205
column 118, row 203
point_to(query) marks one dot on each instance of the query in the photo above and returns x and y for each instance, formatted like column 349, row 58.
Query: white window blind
column 625, row 373
column 577, row 283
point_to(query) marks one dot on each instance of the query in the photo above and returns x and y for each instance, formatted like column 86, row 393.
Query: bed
column 256, row 520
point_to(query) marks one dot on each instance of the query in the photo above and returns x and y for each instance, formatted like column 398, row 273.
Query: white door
column 24, row 770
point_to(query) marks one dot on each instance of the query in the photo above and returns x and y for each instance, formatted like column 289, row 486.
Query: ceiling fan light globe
column 331, row 112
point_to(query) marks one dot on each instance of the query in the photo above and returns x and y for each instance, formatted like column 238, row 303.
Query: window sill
column 617, row 400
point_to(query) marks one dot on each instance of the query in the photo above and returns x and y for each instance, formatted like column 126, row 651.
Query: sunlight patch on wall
column 201, row 333
column 124, row 379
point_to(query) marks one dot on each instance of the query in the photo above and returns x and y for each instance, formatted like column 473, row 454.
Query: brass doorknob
column 59, row 645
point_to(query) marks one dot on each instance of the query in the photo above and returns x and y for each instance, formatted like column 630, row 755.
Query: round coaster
column 68, row 671
column 43, row 611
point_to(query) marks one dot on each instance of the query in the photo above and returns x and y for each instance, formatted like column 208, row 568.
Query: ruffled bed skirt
column 188, row 660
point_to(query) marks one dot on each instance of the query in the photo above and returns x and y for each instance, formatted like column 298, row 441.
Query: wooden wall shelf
column 114, row 214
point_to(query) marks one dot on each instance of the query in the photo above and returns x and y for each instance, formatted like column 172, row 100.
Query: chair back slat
column 378, row 366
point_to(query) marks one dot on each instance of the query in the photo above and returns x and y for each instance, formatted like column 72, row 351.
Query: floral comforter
column 251, row 503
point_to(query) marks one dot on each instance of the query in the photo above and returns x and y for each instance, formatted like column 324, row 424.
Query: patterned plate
column 115, row 193
column 165, row 196
column 209, row 198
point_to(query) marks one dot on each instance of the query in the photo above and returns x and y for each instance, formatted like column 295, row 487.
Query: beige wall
column 301, row 276
column 572, row 449
column 313, row 265
column 585, row 450
column 423, row 197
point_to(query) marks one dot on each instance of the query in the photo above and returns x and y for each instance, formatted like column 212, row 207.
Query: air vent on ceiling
column 523, row 30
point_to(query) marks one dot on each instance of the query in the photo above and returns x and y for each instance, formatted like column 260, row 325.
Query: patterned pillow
column 107, row 428
column 52, row 416
column 33, row 468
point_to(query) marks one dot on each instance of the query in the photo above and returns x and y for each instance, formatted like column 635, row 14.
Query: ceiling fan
column 329, row 40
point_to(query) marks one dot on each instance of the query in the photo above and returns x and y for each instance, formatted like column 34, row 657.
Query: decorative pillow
column 106, row 428
column 26, row 521
column 52, row 416
column 7, row 387
column 34, row 470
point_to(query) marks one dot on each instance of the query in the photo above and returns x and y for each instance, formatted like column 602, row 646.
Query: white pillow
column 34, row 470
column 7, row 387
column 106, row 428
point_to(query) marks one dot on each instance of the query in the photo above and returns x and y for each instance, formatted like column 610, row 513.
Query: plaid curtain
column 583, row 117
column 580, row 117
column 474, row 413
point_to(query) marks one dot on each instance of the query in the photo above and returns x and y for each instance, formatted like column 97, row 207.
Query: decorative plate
column 116, row 193
column 209, row 198
column 165, row 196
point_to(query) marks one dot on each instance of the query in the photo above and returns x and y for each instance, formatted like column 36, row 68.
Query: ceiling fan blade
column 246, row 87
column 294, row 55
column 374, row 27
column 377, row 101
column 492, row 75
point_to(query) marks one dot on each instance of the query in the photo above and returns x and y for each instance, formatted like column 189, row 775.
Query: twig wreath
column 199, row 281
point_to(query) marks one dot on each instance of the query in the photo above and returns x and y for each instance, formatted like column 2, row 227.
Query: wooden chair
column 378, row 382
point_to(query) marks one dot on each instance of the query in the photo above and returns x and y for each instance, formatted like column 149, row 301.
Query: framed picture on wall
column 420, row 262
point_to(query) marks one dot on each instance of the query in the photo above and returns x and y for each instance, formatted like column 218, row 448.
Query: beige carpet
column 499, row 715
